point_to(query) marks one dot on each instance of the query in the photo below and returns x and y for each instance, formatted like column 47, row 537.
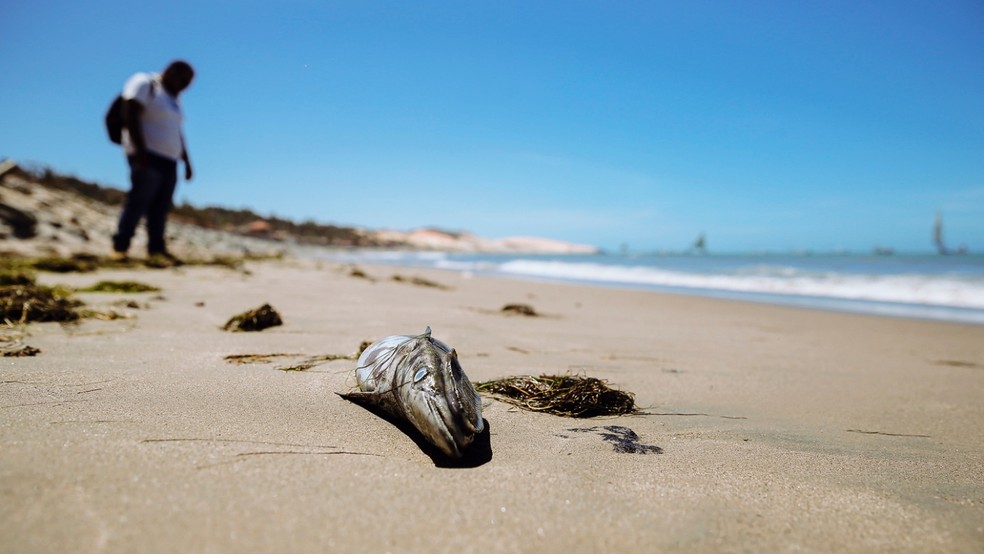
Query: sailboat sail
column 700, row 245
column 938, row 233
column 938, row 238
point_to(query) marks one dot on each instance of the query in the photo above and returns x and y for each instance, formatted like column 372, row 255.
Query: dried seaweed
column 19, row 351
column 419, row 281
column 76, row 264
column 24, row 303
column 160, row 261
column 563, row 395
column 257, row 358
column 120, row 286
column 254, row 320
column 305, row 363
column 14, row 277
column 520, row 309
column 312, row 361
column 84, row 263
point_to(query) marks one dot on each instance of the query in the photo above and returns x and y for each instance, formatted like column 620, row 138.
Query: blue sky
column 766, row 125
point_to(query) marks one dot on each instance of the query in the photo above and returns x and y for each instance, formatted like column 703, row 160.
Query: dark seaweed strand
column 561, row 395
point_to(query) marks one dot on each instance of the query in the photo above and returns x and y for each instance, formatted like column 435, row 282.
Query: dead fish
column 418, row 378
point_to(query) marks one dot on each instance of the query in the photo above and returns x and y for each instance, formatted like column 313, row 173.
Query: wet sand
column 781, row 429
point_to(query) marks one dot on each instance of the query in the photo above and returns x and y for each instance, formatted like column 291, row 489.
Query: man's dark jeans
column 152, row 188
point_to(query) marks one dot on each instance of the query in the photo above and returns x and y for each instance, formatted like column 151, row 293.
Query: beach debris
column 120, row 286
column 419, row 281
column 623, row 439
column 84, row 263
column 563, row 395
column 254, row 320
column 32, row 302
column 111, row 314
column 312, row 361
column 358, row 273
column 418, row 379
column 79, row 263
column 10, row 277
column 160, row 261
column 305, row 363
column 18, row 351
column 228, row 262
column 257, row 358
column 519, row 309
column 27, row 301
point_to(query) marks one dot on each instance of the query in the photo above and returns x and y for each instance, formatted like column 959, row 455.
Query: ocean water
column 949, row 288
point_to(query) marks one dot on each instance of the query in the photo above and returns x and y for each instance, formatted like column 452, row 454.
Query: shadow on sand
column 478, row 454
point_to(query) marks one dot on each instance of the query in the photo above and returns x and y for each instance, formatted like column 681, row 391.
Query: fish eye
column 419, row 376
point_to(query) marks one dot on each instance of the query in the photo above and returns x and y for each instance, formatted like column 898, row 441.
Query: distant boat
column 884, row 251
column 700, row 245
column 938, row 238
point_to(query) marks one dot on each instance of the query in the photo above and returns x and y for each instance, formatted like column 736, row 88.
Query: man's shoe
column 118, row 256
column 163, row 259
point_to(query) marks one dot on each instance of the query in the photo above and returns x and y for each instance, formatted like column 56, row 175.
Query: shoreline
column 895, row 309
column 780, row 427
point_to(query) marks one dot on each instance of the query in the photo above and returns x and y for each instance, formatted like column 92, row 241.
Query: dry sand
column 782, row 429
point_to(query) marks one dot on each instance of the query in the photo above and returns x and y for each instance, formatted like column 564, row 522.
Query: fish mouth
column 448, row 431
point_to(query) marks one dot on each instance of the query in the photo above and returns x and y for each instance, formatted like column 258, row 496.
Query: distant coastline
column 43, row 212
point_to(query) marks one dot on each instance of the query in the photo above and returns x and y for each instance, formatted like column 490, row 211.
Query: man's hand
column 186, row 159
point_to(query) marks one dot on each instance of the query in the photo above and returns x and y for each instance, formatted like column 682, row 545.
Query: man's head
column 177, row 77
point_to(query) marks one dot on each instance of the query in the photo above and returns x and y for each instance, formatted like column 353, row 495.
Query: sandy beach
column 781, row 429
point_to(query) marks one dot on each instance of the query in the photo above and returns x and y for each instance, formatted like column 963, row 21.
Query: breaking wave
column 934, row 287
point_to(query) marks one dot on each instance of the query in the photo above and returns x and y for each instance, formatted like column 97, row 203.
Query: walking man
column 153, row 142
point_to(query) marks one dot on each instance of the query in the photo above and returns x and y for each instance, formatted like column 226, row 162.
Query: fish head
column 439, row 399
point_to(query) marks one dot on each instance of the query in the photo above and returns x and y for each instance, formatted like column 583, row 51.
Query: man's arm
column 187, row 161
column 131, row 120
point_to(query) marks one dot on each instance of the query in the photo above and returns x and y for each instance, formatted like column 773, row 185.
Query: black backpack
column 114, row 120
column 114, row 116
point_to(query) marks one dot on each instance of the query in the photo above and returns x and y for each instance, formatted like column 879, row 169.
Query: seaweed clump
column 31, row 302
column 120, row 286
column 419, row 281
column 19, row 351
column 79, row 263
column 15, row 278
column 520, row 309
column 254, row 320
column 563, row 395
